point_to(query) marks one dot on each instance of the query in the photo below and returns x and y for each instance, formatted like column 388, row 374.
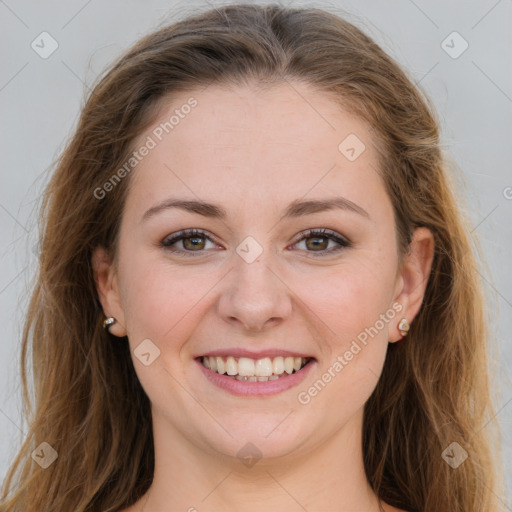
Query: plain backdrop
column 468, row 75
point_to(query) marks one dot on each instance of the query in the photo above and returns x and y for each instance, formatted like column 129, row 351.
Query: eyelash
column 310, row 233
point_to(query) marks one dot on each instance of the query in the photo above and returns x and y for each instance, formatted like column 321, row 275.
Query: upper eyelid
column 322, row 231
column 184, row 233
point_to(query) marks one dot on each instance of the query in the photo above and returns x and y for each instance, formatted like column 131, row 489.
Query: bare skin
column 253, row 152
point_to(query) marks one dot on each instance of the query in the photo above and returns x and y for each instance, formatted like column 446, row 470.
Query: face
column 263, row 277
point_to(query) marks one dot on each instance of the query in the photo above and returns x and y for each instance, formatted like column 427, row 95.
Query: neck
column 187, row 478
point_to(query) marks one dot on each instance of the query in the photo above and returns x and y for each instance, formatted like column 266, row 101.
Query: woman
column 255, row 290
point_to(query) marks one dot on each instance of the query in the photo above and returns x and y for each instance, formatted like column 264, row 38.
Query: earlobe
column 414, row 277
column 105, row 278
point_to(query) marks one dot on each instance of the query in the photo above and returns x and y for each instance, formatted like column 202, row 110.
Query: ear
column 106, row 280
column 413, row 278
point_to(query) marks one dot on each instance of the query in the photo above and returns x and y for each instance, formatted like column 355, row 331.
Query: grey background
column 40, row 100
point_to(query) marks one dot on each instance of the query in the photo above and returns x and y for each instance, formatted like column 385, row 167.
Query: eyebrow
column 297, row 208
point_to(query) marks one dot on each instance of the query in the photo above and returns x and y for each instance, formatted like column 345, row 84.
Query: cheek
column 162, row 301
column 353, row 340
column 347, row 300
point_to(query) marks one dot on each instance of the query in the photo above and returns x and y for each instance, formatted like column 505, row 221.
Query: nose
column 255, row 296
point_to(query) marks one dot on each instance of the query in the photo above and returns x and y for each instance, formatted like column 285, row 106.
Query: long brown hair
column 88, row 404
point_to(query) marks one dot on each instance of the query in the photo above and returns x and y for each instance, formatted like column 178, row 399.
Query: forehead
column 246, row 142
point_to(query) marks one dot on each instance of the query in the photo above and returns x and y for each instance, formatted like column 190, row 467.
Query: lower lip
column 247, row 388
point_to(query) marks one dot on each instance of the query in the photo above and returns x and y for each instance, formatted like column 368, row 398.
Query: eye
column 319, row 239
column 192, row 240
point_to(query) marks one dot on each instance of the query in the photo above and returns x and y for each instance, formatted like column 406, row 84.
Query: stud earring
column 403, row 326
column 108, row 322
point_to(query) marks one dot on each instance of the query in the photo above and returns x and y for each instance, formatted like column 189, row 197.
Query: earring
column 403, row 326
column 108, row 322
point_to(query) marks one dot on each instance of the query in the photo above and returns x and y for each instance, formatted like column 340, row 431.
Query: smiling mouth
column 255, row 370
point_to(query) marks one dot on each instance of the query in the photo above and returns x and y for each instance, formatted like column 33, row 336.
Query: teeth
column 288, row 364
column 260, row 370
column 278, row 365
column 221, row 367
column 246, row 367
column 264, row 367
column 253, row 378
column 231, row 366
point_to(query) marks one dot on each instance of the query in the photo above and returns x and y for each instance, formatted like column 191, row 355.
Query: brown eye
column 317, row 241
column 193, row 242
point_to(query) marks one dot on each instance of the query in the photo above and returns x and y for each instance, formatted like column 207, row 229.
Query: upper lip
column 240, row 352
